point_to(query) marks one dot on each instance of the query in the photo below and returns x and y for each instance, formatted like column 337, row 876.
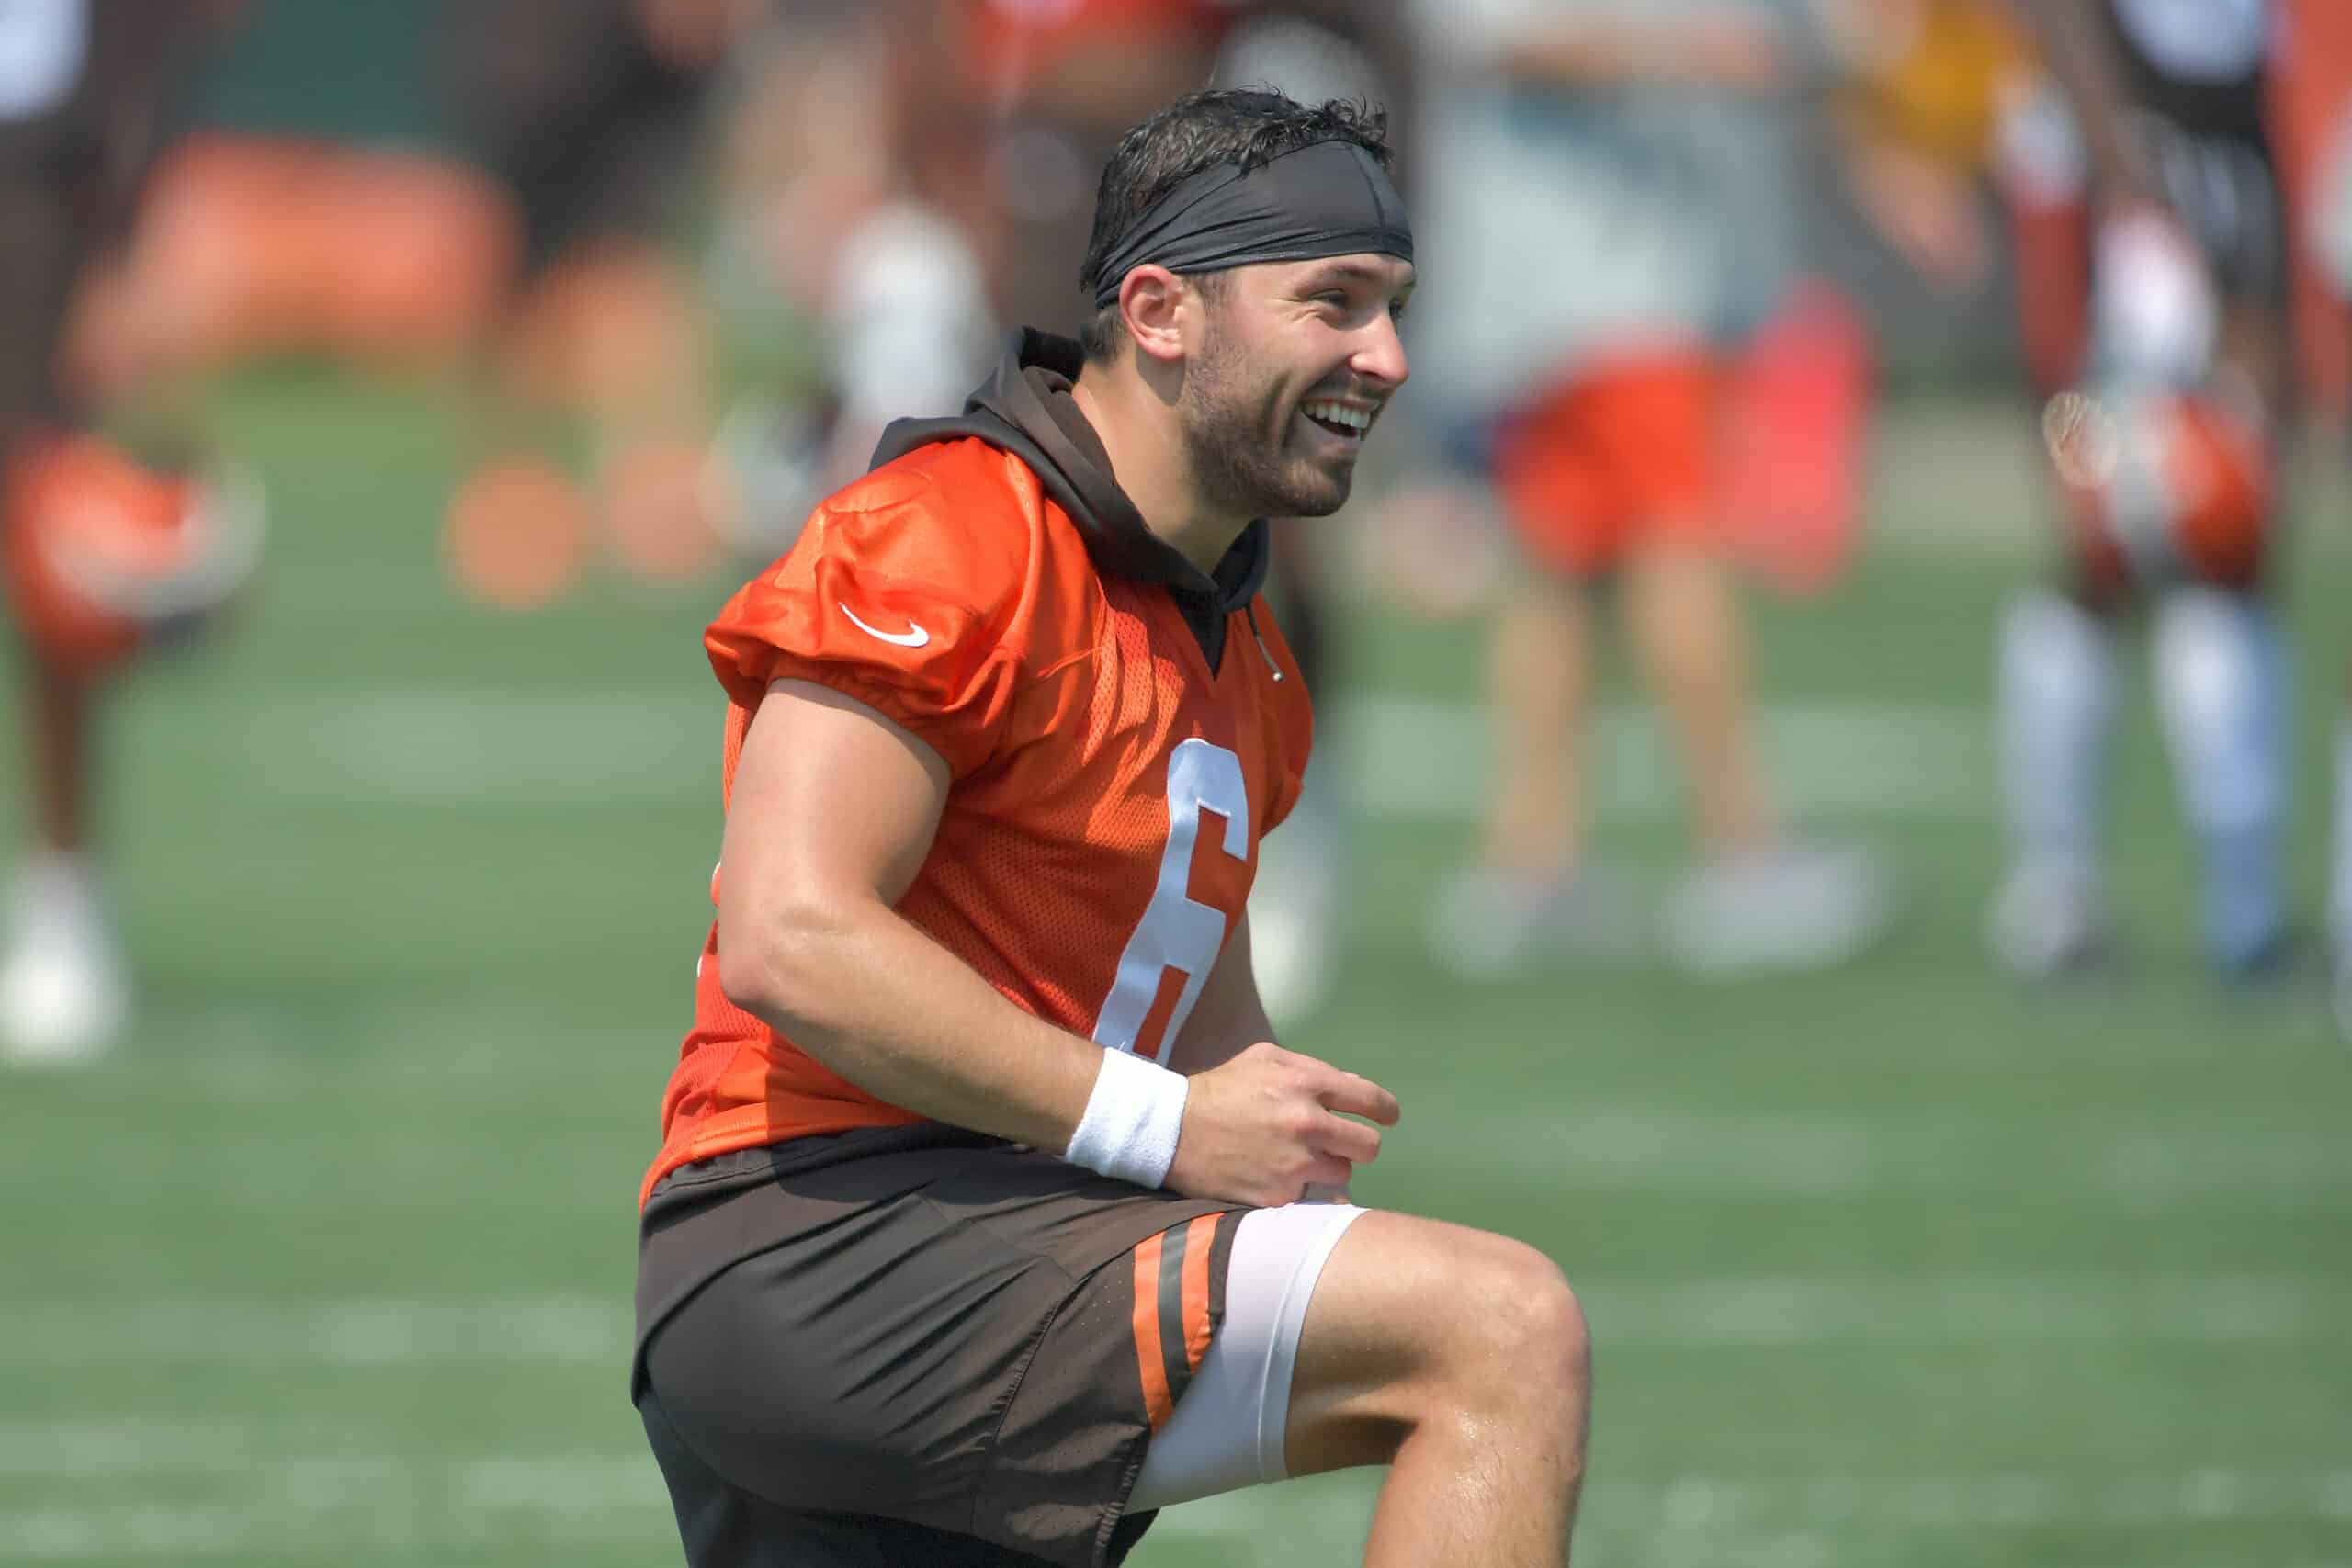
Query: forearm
column 878, row 1001
column 2081, row 59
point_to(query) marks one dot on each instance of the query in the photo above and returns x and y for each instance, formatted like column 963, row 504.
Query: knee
column 1520, row 1334
column 1548, row 1342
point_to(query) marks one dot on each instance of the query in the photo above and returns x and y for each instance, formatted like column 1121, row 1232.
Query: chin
column 1319, row 505
column 1308, row 490
column 1318, row 499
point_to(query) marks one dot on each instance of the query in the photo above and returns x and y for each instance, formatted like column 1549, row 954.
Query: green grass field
column 332, row 1264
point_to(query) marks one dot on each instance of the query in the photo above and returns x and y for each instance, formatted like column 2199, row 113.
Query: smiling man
column 978, row 1230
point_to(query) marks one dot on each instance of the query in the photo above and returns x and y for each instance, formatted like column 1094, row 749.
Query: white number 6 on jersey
column 1178, row 931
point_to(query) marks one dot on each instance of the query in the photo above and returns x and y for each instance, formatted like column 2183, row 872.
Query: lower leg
column 2339, row 891
column 2339, row 882
column 63, row 994
column 1685, row 624
column 60, row 713
column 2056, row 679
column 1468, row 1490
column 2220, row 676
column 1538, row 687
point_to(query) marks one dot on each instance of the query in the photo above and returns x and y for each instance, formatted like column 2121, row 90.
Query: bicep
column 830, row 800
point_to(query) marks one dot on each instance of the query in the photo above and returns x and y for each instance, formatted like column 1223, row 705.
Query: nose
column 1380, row 354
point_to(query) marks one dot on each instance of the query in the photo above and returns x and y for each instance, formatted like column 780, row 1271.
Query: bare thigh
column 1408, row 1310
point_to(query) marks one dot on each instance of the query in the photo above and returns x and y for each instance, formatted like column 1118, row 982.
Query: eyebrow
column 1335, row 271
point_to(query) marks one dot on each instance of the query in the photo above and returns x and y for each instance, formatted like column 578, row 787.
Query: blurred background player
column 1616, row 219
column 2152, row 268
column 585, row 115
column 105, row 555
column 523, row 228
column 852, row 252
column 1917, row 105
column 2312, row 98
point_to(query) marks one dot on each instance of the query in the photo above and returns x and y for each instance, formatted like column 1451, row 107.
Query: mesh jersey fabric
column 949, row 592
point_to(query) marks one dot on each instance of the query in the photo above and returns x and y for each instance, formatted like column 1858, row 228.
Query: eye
column 1396, row 309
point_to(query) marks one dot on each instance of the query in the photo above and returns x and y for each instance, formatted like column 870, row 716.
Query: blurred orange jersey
column 1024, row 39
column 1113, row 761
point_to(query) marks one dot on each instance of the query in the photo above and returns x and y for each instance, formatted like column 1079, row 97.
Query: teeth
column 1339, row 413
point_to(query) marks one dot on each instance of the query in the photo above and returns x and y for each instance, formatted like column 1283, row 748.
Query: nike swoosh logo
column 914, row 637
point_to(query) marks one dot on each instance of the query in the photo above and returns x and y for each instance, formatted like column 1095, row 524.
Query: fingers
column 1358, row 1097
column 1351, row 1141
column 1268, row 1078
column 1328, row 1171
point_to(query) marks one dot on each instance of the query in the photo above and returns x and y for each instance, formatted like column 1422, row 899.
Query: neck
column 1136, row 422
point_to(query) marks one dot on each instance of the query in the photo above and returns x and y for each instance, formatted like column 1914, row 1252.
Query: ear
column 1151, row 306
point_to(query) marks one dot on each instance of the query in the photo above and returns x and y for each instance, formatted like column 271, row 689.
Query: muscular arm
column 833, row 811
column 1229, row 1017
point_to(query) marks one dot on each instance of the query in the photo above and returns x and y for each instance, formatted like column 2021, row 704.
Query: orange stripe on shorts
column 1158, row 1403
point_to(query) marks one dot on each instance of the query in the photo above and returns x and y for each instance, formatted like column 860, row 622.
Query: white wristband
column 1132, row 1120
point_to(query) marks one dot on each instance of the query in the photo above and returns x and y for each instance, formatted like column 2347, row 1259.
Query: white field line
column 1965, row 1309
column 86, row 1449
column 1603, row 1145
column 392, row 1333
column 1810, row 1513
column 398, row 1042
column 406, row 1169
column 383, row 1500
column 384, row 1332
column 1592, row 1145
column 1408, row 757
column 482, row 1044
column 1413, row 757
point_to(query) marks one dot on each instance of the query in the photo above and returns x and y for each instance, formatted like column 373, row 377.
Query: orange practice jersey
column 1016, row 40
column 1109, row 789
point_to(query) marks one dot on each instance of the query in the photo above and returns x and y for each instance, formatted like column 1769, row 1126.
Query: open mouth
column 1346, row 420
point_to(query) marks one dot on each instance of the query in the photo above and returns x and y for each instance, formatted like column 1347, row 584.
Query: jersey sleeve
column 917, row 614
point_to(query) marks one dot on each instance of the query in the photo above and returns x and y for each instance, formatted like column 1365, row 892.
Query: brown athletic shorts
column 915, row 1345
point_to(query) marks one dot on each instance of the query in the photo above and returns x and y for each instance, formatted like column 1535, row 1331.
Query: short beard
column 1234, row 441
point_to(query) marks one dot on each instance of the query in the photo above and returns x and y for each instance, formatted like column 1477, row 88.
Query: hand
column 1925, row 210
column 1264, row 1126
